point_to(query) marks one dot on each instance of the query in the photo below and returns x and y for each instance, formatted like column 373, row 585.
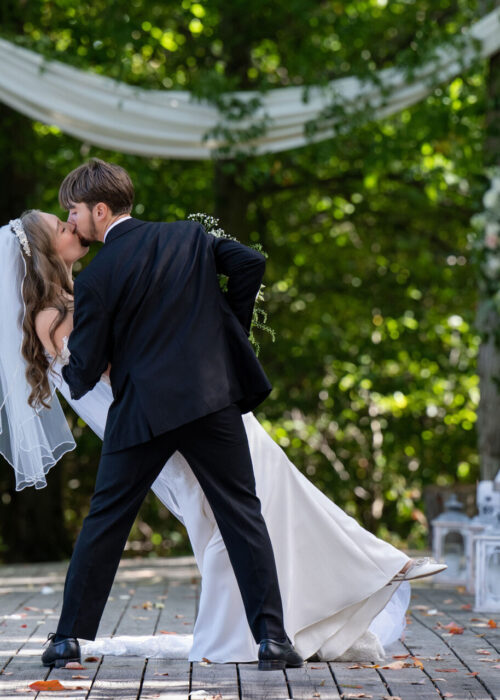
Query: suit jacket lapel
column 123, row 227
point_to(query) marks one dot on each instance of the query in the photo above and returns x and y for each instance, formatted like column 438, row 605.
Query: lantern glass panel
column 493, row 574
column 454, row 554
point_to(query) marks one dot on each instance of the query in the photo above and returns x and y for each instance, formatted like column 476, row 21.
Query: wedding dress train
column 333, row 573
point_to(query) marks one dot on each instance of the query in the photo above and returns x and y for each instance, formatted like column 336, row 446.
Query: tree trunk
column 489, row 352
column 17, row 174
column 231, row 200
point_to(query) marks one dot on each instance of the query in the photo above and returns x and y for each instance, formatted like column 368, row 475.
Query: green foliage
column 369, row 282
column 259, row 316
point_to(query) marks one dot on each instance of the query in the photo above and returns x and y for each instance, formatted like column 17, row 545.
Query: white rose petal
column 492, row 228
column 490, row 199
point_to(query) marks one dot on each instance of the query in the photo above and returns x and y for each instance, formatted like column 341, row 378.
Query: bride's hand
column 105, row 375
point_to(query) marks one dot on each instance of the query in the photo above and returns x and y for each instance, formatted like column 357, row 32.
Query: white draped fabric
column 171, row 124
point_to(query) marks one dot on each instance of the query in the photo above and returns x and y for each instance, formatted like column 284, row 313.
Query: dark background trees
column 369, row 283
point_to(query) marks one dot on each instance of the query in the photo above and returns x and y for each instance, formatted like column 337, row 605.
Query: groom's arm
column 244, row 268
column 88, row 342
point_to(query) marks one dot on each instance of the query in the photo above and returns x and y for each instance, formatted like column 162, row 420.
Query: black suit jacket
column 150, row 303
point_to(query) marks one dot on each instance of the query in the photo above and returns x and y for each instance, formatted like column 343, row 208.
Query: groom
column 182, row 372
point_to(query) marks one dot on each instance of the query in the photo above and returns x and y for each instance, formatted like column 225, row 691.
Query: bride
column 341, row 586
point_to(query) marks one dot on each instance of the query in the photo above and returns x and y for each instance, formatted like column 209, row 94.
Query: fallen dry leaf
column 166, row 632
column 492, row 624
column 179, row 617
column 417, row 683
column 91, row 659
column 47, row 685
column 161, row 674
column 446, row 670
column 400, row 656
column 396, row 665
column 346, row 685
column 484, row 652
column 417, row 663
column 449, row 601
column 356, row 695
column 75, row 666
column 80, row 678
column 448, row 695
column 453, row 628
column 391, row 697
column 474, row 673
column 467, row 606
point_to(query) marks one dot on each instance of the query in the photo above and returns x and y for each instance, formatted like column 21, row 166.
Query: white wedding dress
column 333, row 574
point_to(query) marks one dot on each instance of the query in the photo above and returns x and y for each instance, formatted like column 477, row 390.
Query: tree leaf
column 75, row 665
column 453, row 628
column 47, row 685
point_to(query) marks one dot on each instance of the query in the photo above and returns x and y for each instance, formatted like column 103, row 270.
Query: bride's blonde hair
column 44, row 286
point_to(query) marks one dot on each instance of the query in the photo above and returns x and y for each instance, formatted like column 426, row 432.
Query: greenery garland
column 259, row 318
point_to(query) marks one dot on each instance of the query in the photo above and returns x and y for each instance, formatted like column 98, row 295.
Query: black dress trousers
column 216, row 448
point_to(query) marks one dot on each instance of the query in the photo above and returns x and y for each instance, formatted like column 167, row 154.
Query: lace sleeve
column 65, row 354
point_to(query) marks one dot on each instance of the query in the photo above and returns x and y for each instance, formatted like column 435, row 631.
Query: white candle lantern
column 488, row 571
column 487, row 549
column 488, row 504
column 452, row 544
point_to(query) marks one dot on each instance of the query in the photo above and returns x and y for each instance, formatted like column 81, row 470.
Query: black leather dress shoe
column 58, row 654
column 278, row 655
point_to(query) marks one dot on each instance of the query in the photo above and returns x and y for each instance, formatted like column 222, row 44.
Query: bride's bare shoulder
column 44, row 321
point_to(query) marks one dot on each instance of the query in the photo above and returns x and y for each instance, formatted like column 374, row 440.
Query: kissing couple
column 155, row 358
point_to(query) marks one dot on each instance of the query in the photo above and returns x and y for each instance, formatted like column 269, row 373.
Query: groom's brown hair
column 98, row 181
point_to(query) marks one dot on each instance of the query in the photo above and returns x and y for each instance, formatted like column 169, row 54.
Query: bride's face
column 66, row 243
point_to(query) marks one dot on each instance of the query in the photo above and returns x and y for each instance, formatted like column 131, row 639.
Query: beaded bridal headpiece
column 18, row 228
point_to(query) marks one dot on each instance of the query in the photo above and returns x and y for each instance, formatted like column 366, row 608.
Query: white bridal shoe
column 420, row 568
